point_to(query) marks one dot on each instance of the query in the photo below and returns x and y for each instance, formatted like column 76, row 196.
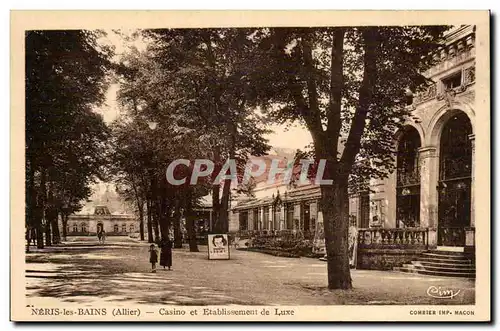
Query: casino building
column 421, row 218
column 105, row 210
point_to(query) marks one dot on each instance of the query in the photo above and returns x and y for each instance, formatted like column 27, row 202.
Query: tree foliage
column 205, row 71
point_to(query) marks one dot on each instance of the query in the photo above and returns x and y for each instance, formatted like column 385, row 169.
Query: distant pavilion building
column 106, row 212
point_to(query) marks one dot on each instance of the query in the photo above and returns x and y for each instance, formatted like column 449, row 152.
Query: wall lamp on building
column 441, row 187
column 408, row 97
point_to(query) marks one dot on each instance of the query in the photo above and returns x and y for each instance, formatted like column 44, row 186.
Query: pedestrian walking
column 153, row 257
column 166, row 253
column 101, row 235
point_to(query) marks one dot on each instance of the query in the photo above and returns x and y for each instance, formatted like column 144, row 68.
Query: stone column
column 472, row 139
column 282, row 218
column 271, row 218
column 429, row 173
column 470, row 240
column 261, row 221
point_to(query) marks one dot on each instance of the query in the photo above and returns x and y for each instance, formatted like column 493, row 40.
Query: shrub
column 294, row 246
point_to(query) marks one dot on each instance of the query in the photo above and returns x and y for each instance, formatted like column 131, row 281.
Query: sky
column 296, row 137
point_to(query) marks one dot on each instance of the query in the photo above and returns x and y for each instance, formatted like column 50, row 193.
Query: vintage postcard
column 250, row 166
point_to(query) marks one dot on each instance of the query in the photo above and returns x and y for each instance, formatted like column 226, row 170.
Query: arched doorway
column 454, row 187
column 100, row 227
column 408, row 179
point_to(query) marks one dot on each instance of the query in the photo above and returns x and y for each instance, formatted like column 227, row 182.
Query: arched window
column 408, row 179
column 84, row 228
column 75, row 227
column 455, row 165
column 131, row 228
column 124, row 227
column 115, row 228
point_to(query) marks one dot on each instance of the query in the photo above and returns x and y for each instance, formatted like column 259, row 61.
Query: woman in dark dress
column 166, row 253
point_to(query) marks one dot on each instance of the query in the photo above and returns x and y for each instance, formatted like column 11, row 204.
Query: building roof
column 299, row 194
column 105, row 201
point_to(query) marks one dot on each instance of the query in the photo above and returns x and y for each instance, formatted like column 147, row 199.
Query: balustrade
column 244, row 234
column 392, row 238
column 451, row 236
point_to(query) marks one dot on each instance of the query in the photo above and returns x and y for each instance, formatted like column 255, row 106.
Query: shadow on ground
column 103, row 274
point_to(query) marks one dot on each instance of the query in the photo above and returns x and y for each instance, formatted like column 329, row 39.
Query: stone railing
column 244, row 234
column 393, row 238
column 451, row 236
column 446, row 57
column 452, row 54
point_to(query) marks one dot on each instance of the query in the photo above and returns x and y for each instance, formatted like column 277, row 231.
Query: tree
column 145, row 153
column 203, row 79
column 347, row 86
column 131, row 167
column 66, row 76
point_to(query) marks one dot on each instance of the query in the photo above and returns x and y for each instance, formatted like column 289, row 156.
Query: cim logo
column 441, row 293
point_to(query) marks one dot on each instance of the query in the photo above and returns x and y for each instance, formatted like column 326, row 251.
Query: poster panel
column 218, row 247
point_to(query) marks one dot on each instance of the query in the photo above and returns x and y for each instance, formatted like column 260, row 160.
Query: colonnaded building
column 105, row 210
column 421, row 218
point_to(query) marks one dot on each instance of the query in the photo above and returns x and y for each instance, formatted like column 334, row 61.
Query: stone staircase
column 442, row 263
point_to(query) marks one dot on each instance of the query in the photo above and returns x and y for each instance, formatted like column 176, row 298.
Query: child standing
column 153, row 257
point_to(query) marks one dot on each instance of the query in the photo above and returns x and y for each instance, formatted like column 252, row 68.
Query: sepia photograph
column 182, row 168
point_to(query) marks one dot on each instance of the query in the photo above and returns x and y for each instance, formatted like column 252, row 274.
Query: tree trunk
column 27, row 236
column 216, row 225
column 48, row 236
column 156, row 217
column 224, row 207
column 334, row 204
column 40, row 210
column 141, row 222
column 155, row 208
column 164, row 218
column 149, row 222
column 140, row 208
column 177, row 226
column 30, row 198
column 50, row 214
column 53, row 236
column 56, row 235
column 226, row 191
column 64, row 225
column 191, row 231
